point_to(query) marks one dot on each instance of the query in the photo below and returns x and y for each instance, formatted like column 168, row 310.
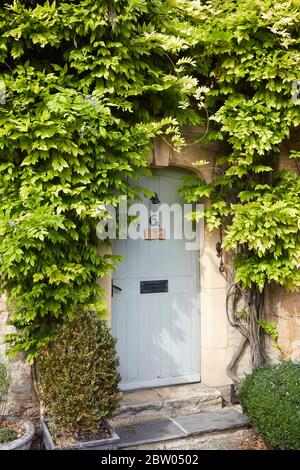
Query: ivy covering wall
column 248, row 54
column 88, row 84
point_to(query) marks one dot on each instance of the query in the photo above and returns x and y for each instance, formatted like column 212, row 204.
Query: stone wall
column 22, row 400
column 284, row 310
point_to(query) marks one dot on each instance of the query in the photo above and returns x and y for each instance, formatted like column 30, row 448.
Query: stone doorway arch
column 218, row 338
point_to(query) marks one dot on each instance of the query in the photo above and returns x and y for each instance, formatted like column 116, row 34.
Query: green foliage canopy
column 248, row 54
column 88, row 85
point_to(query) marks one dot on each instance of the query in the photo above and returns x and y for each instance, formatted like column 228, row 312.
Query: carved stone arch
column 163, row 155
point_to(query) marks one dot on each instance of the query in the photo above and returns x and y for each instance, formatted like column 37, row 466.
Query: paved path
column 190, row 428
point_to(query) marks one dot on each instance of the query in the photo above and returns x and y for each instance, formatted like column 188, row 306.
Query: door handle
column 117, row 287
column 114, row 287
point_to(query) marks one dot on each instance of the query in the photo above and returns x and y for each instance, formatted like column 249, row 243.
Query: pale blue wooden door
column 158, row 333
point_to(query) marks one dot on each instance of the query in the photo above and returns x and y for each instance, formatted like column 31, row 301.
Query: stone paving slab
column 149, row 431
column 226, row 419
column 159, row 430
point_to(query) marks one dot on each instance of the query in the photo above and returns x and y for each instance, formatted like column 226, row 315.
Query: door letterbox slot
column 154, row 287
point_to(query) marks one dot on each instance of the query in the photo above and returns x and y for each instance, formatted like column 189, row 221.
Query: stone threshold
column 167, row 402
column 181, row 427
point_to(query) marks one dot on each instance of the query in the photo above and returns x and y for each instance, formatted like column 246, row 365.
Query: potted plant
column 78, row 386
column 15, row 433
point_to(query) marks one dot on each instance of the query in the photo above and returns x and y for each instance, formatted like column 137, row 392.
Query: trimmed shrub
column 270, row 397
column 4, row 387
column 77, row 374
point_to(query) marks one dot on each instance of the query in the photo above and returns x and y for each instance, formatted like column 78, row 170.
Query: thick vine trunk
column 233, row 365
column 251, row 303
column 256, row 337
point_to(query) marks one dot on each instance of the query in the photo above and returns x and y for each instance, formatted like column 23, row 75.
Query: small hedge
column 270, row 397
column 4, row 387
column 77, row 373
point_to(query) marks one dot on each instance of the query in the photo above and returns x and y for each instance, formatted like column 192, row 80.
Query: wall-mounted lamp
column 154, row 218
column 155, row 199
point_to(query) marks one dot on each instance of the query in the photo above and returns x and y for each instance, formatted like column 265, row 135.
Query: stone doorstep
column 167, row 402
column 170, row 429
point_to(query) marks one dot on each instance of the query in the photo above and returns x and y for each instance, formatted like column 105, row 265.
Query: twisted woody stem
column 247, row 324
